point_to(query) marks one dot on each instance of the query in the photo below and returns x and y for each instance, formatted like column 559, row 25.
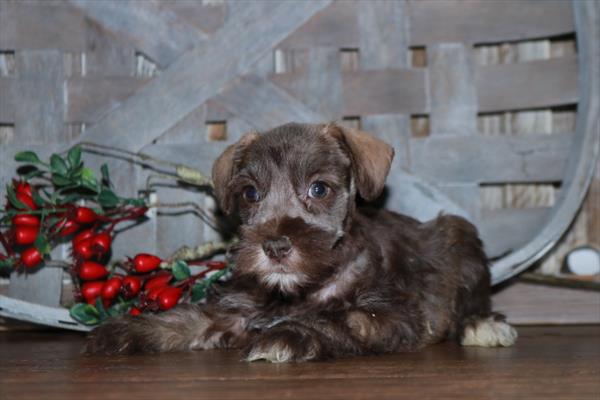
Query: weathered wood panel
column 534, row 158
column 453, row 110
column 452, row 95
column 193, row 78
column 334, row 26
column 107, row 54
column 92, row 98
column 208, row 16
column 483, row 21
column 41, row 25
column 156, row 31
column 384, row 92
column 505, row 230
column 270, row 105
column 533, row 84
column 320, row 82
column 473, row 21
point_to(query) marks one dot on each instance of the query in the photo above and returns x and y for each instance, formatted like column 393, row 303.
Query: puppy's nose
column 277, row 248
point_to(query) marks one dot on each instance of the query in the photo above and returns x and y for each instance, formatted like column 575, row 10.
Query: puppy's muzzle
column 277, row 248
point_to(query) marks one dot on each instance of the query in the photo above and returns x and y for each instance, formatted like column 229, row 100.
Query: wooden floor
column 547, row 363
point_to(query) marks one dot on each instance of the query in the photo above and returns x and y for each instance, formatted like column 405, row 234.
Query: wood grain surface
column 546, row 363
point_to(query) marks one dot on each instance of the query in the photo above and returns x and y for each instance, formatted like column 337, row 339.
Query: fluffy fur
column 318, row 277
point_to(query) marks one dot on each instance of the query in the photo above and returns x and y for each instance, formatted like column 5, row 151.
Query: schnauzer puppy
column 316, row 276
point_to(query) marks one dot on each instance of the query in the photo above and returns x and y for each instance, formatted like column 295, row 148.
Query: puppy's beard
column 282, row 275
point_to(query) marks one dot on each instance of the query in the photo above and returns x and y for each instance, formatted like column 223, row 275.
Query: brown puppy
column 316, row 277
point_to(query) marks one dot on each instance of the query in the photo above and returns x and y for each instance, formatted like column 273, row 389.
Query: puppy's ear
column 223, row 169
column 371, row 158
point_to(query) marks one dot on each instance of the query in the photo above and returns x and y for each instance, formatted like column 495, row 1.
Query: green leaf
column 74, row 156
column 198, row 292
column 88, row 179
column 105, row 175
column 12, row 199
column 180, row 270
column 27, row 156
column 108, row 199
column 58, row 165
column 118, row 308
column 102, row 314
column 33, row 174
column 85, row 314
column 41, row 243
column 61, row 180
column 37, row 199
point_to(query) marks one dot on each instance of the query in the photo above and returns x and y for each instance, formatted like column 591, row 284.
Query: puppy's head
column 294, row 189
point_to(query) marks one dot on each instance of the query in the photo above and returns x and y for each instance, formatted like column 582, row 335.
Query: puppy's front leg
column 186, row 327
column 286, row 342
column 350, row 333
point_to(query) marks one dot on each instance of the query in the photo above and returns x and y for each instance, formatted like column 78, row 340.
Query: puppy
column 317, row 277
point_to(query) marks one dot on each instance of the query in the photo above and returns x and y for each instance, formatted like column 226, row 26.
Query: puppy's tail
column 492, row 331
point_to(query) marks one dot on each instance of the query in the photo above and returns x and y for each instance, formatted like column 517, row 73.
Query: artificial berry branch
column 62, row 201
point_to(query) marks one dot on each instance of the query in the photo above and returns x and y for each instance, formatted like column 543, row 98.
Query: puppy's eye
column 318, row 190
column 251, row 194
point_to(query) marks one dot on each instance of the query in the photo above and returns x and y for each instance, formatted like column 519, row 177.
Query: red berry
column 169, row 297
column 91, row 290
column 23, row 188
column 27, row 200
column 144, row 263
column 111, row 288
column 84, row 215
column 159, row 280
column 83, row 235
column 101, row 242
column 68, row 227
column 131, row 286
column 84, row 249
column 25, row 234
column 152, row 293
column 135, row 311
column 90, row 270
column 31, row 257
column 25, row 220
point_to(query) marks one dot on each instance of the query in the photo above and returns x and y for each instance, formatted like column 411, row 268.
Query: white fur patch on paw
column 489, row 333
column 276, row 353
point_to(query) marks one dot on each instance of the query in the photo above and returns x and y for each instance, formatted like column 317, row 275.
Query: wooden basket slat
column 533, row 84
column 471, row 22
column 508, row 229
column 334, row 26
column 492, row 159
column 194, row 77
column 528, row 85
column 91, row 98
column 483, row 21
column 208, row 16
column 386, row 91
column 107, row 54
column 159, row 33
column 33, row 26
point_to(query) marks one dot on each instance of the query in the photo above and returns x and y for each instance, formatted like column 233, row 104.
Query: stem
column 5, row 244
column 182, row 172
column 208, row 219
column 202, row 251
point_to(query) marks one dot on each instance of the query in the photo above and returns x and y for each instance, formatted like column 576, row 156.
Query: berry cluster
column 79, row 208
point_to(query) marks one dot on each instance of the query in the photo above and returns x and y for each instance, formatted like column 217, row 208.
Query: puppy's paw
column 118, row 336
column 280, row 344
column 489, row 333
